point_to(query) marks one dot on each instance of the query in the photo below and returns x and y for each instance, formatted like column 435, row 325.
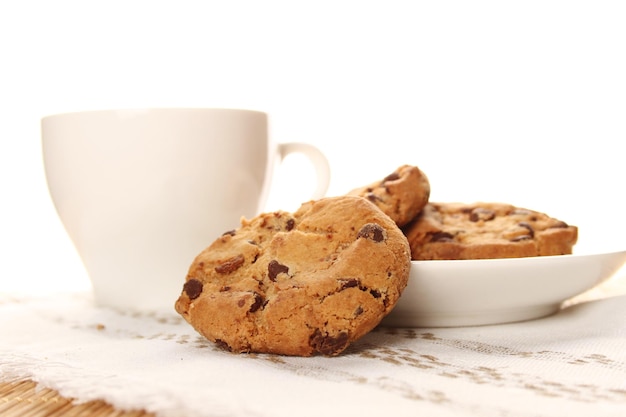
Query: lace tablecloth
column 570, row 364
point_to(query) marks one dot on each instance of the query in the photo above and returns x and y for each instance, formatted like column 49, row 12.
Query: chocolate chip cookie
column 486, row 230
column 303, row 283
column 401, row 195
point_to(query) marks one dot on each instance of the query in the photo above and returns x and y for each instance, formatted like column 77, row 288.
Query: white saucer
column 492, row 291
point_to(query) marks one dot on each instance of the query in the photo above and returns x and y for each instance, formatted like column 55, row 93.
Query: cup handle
column 320, row 163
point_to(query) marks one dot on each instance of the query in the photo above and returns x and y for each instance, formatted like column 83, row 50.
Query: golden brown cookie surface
column 401, row 195
column 486, row 230
column 298, row 283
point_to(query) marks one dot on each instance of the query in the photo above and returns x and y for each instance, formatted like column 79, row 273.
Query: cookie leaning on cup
column 303, row 283
column 449, row 231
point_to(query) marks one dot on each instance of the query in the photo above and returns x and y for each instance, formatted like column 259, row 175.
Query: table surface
column 25, row 398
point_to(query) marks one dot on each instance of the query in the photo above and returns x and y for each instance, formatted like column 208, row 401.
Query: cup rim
column 153, row 109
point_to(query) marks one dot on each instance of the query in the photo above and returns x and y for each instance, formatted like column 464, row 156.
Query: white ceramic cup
column 142, row 192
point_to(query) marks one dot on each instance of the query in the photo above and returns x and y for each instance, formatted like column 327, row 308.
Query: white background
column 522, row 102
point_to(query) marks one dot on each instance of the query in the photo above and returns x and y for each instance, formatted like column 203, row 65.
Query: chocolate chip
column 375, row 293
column 358, row 311
column 372, row 231
column 373, row 197
column 441, row 237
column 290, row 224
column 258, row 302
column 230, row 232
column 528, row 227
column 348, row 283
column 230, row 265
column 193, row 288
column 391, row 177
column 483, row 214
column 274, row 268
column 222, row 345
column 329, row 345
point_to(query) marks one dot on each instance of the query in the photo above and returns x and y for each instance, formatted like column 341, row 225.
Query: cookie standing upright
column 303, row 283
column 449, row 231
column 401, row 195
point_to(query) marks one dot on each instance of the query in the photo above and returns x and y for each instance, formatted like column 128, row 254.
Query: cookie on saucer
column 401, row 195
column 486, row 230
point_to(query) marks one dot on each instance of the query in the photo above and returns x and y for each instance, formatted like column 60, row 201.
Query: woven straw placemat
column 22, row 398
